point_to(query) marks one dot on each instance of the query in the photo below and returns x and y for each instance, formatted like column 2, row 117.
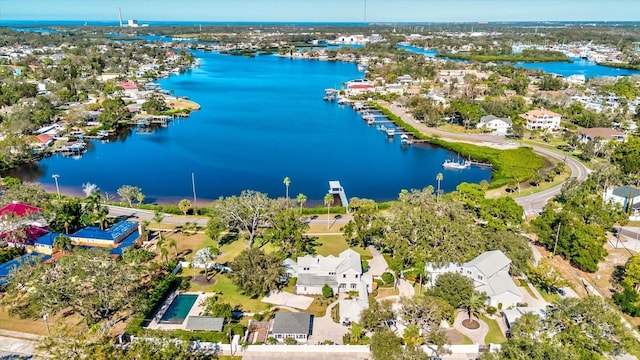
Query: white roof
column 489, row 262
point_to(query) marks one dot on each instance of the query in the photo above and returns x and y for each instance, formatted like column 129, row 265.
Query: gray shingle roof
column 291, row 323
column 624, row 191
column 205, row 323
column 489, row 262
column 316, row 280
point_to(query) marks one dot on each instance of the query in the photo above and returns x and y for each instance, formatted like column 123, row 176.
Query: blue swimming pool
column 179, row 309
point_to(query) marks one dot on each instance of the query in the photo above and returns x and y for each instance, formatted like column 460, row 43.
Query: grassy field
column 495, row 335
column 335, row 244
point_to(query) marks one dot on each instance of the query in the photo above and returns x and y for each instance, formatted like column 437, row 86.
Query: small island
column 620, row 65
column 527, row 55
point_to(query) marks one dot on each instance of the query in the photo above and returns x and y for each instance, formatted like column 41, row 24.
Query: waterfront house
column 297, row 326
column 342, row 273
column 499, row 126
column 541, row 119
column 122, row 232
column 490, row 274
column 359, row 86
column 603, row 135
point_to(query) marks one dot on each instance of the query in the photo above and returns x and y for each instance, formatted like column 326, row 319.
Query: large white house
column 541, row 119
column 490, row 274
column 342, row 273
column 499, row 126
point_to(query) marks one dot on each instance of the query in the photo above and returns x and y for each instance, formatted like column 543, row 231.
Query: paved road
column 531, row 203
column 135, row 214
column 534, row 203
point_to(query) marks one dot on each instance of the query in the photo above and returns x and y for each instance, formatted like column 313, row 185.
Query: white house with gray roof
column 490, row 274
column 499, row 126
column 292, row 325
column 342, row 273
column 625, row 196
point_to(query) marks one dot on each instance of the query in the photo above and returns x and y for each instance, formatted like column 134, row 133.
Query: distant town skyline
column 323, row 10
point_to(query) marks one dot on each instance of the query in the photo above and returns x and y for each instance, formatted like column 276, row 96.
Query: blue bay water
column 262, row 119
column 578, row 67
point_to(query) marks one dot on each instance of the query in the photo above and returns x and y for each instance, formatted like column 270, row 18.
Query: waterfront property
column 499, row 126
column 602, row 135
column 117, row 233
column 541, row 119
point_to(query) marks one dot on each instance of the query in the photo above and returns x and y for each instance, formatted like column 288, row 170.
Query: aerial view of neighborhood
column 278, row 179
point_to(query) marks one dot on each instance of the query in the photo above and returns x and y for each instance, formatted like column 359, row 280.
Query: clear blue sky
column 323, row 10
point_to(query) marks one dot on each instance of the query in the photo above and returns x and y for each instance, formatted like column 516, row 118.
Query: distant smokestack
column 120, row 16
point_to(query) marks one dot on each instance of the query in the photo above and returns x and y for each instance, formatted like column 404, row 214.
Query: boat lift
column 336, row 189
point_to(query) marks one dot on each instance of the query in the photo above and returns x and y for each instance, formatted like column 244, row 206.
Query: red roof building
column 19, row 209
column 128, row 85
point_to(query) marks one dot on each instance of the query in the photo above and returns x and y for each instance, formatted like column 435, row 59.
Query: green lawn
column 232, row 295
column 549, row 297
column 495, row 335
column 465, row 339
column 335, row 244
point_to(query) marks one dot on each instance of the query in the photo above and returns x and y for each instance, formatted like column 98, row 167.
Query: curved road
column 533, row 203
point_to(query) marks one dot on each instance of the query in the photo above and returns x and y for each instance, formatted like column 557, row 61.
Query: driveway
column 324, row 328
column 284, row 298
column 477, row 335
column 378, row 264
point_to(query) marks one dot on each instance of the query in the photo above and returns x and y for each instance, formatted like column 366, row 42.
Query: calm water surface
column 262, row 119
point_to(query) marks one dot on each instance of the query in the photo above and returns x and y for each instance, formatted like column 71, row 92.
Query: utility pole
column 556, row 242
column 195, row 200
column 55, row 178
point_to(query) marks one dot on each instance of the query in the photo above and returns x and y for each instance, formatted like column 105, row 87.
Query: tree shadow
column 228, row 238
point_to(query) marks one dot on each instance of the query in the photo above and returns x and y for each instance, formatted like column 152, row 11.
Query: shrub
column 290, row 341
column 491, row 310
column 387, row 277
column 365, row 265
column 327, row 291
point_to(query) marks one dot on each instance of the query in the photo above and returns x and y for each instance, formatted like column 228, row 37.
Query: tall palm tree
column 286, row 182
column 165, row 254
column 301, row 199
column 439, row 178
column 172, row 242
column 62, row 242
column 158, row 217
column 473, row 304
column 328, row 201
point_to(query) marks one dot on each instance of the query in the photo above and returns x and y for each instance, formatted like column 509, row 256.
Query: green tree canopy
column 257, row 273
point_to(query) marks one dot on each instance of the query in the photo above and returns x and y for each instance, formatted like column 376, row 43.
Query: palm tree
column 158, row 217
column 165, row 254
column 301, row 199
column 184, row 206
column 439, row 178
column 328, row 201
column 473, row 304
column 286, row 182
column 62, row 242
column 172, row 242
column 140, row 197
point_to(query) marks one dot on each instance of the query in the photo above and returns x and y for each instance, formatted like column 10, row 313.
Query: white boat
column 404, row 139
column 390, row 132
column 457, row 165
